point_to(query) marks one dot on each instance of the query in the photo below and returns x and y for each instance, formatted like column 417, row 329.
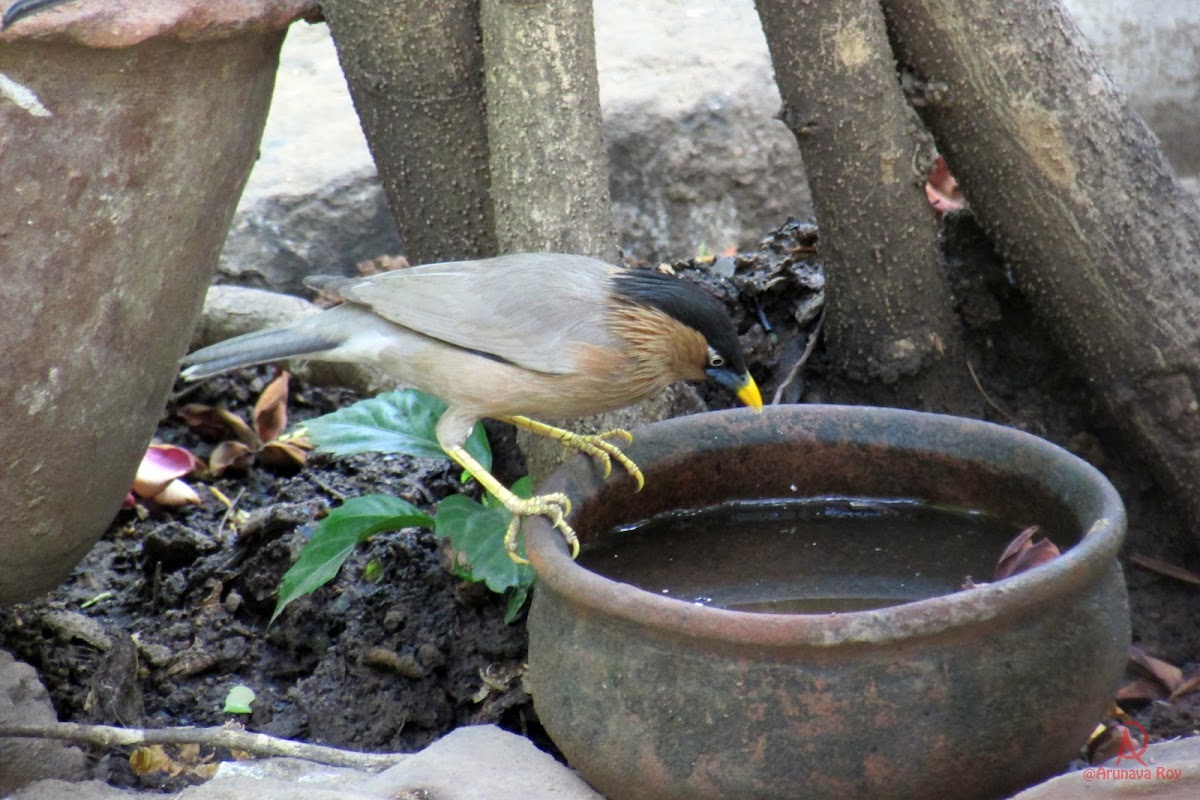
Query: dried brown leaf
column 145, row 760
column 1167, row 674
column 206, row 421
column 283, row 454
column 1023, row 554
column 1189, row 685
column 1141, row 689
column 230, row 455
column 270, row 412
column 1116, row 739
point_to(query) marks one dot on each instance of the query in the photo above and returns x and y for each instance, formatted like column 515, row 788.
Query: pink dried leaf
column 1023, row 554
column 177, row 493
column 942, row 190
column 161, row 464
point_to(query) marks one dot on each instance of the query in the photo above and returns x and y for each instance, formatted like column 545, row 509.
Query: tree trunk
column 415, row 74
column 549, row 169
column 890, row 309
column 548, row 166
column 1076, row 193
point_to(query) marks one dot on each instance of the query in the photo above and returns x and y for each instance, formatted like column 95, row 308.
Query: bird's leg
column 595, row 445
column 554, row 507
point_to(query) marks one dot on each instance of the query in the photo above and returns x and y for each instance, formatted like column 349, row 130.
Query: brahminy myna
column 509, row 338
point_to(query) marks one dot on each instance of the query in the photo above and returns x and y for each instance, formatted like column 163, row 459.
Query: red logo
column 1129, row 748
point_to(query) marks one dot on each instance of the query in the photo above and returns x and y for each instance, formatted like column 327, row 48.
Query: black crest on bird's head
column 688, row 303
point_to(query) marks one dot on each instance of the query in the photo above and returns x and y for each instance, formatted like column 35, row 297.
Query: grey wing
column 527, row 308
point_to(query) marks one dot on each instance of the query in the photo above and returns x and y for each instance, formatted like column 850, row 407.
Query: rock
column 234, row 310
column 697, row 156
column 57, row 790
column 475, row 763
column 481, row 763
column 24, row 701
column 1171, row 771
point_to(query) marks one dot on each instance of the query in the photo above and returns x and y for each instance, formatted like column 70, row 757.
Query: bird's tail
column 255, row 348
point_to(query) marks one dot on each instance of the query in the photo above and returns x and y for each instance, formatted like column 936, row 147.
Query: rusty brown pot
column 968, row 695
column 127, row 131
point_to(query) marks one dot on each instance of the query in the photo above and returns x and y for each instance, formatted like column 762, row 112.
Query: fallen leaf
column 1023, row 554
column 1167, row 674
column 161, row 464
column 942, row 190
column 230, row 455
column 1189, row 685
column 1111, row 742
column 177, row 493
column 145, row 760
column 270, row 411
column 1141, row 689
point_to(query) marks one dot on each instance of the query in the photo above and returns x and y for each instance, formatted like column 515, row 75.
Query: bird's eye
column 716, row 360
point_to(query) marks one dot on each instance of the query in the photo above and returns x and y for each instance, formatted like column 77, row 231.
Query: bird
column 514, row 338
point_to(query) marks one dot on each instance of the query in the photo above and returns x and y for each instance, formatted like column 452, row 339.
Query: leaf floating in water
column 1024, row 554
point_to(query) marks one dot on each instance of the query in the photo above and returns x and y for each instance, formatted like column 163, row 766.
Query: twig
column 809, row 346
column 1163, row 568
column 257, row 744
column 230, row 505
column 986, row 397
column 329, row 490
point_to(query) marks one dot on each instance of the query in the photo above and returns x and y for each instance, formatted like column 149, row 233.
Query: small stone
column 233, row 601
column 394, row 619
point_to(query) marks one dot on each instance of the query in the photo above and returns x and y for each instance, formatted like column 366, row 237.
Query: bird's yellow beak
column 748, row 393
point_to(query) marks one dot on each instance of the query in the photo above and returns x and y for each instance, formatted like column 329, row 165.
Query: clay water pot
column 127, row 131
column 971, row 694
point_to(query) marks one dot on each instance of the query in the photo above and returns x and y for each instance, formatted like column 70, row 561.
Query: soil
column 170, row 610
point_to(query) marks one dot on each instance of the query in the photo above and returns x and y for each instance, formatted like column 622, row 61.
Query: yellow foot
column 595, row 445
column 554, row 507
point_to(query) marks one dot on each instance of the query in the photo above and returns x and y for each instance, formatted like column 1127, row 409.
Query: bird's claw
column 555, row 507
column 598, row 447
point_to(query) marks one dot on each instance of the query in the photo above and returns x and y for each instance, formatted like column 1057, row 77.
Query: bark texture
column 415, row 74
column 548, row 167
column 890, row 309
column 1079, row 198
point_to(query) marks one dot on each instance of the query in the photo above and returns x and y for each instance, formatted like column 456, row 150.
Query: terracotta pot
column 127, row 131
column 967, row 695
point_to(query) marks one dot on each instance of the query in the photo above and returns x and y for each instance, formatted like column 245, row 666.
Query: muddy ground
column 170, row 610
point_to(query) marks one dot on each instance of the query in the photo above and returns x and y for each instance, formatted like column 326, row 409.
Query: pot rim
column 1076, row 568
column 115, row 23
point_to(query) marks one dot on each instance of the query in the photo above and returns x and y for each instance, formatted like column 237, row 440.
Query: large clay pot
column 971, row 694
column 127, row 130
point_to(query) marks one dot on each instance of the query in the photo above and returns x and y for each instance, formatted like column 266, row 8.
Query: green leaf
column 517, row 597
column 478, row 533
column 336, row 537
column 238, row 700
column 373, row 571
column 395, row 422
